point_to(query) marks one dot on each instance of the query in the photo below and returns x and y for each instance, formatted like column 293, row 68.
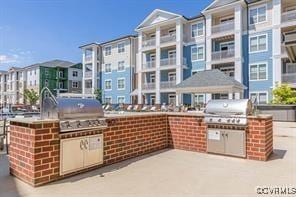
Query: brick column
column 34, row 151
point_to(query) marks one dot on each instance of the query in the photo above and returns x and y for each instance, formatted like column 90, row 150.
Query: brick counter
column 35, row 146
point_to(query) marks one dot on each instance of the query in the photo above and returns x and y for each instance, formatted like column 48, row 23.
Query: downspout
column 247, row 76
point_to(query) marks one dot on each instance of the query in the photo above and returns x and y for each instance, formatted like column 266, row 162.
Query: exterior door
column 93, row 154
column 71, row 155
column 152, row 99
column 172, row 99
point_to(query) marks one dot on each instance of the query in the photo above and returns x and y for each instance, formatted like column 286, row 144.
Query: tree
column 98, row 94
column 284, row 94
column 31, row 96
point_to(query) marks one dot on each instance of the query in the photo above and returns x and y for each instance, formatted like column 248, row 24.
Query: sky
column 33, row 31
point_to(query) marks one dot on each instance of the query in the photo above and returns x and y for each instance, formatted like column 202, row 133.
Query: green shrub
column 284, row 94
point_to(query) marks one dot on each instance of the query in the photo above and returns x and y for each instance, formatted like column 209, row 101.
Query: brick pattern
column 34, row 152
column 259, row 138
column 133, row 136
column 187, row 133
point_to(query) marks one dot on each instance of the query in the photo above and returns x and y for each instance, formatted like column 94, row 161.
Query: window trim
column 258, row 35
column 258, row 92
column 172, row 73
column 227, row 43
column 74, row 71
column 199, row 94
column 123, row 47
column 121, row 97
column 105, row 50
column 118, row 66
column 123, row 83
column 198, row 46
column 105, row 84
column 152, row 96
column 203, row 29
column 257, row 64
column 109, row 97
column 110, row 69
column 226, row 17
column 174, row 95
column 75, row 82
column 153, row 75
column 257, row 7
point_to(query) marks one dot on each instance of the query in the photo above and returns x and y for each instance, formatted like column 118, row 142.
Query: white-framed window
column 197, row 29
column 172, row 76
column 258, row 71
column 257, row 14
column 120, row 99
column 46, row 72
column 172, row 99
column 226, row 19
column 108, row 50
column 75, row 73
column 121, row 47
column 108, row 68
column 108, row 99
column 45, row 83
column 108, row 84
column 199, row 99
column 152, row 99
column 218, row 96
column 197, row 53
column 258, row 43
column 61, row 74
column 74, row 84
column 259, row 97
column 61, row 85
column 172, row 31
column 121, row 83
column 121, row 66
column 172, row 54
column 152, row 78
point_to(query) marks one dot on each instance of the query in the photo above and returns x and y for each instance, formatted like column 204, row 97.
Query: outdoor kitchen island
column 35, row 145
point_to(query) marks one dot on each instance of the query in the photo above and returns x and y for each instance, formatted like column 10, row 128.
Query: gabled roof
column 157, row 16
column 219, row 3
column 53, row 63
column 208, row 79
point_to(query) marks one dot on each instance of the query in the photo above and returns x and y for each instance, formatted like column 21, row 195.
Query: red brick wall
column 187, row 133
column 259, row 138
column 34, row 152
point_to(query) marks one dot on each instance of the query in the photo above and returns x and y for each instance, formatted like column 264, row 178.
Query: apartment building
column 110, row 67
column 253, row 41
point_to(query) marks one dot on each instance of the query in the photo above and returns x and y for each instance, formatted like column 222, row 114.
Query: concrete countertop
column 32, row 120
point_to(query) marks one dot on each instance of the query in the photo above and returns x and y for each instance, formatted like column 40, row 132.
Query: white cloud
column 5, row 59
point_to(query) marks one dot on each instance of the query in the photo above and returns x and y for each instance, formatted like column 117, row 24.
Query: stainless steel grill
column 73, row 113
column 233, row 112
column 227, row 121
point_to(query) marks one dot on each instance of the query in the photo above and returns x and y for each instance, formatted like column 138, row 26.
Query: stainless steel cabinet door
column 235, row 143
column 215, row 141
column 93, row 154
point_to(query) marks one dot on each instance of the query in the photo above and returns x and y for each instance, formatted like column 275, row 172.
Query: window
column 120, row 84
column 46, row 83
column 257, row 15
column 120, row 99
column 227, row 19
column 199, row 99
column 61, row 85
column 46, row 72
column 108, row 100
column 35, row 71
column 197, row 53
column 152, row 99
column 172, row 99
column 75, row 73
column 196, row 30
column 108, row 84
column 120, row 66
column 61, row 74
column 108, row 50
column 172, row 76
column 258, row 72
column 259, row 97
column 74, row 84
column 108, row 68
column 172, row 32
column 30, row 72
column 120, row 47
column 218, row 96
column 152, row 78
column 35, row 83
column 258, row 43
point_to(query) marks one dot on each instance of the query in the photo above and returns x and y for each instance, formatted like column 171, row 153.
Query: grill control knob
column 219, row 120
column 228, row 120
column 238, row 120
column 211, row 119
column 233, row 120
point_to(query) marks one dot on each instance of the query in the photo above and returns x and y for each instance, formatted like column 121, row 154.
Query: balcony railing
column 167, row 84
column 148, row 42
column 149, row 64
column 88, row 74
column 88, row 91
column 88, row 58
column 290, row 36
column 289, row 16
column 289, row 78
column 223, row 27
column 171, row 61
column 168, row 38
column 148, row 86
column 219, row 55
column 283, row 49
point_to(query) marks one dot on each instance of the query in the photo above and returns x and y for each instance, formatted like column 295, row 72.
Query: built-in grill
column 73, row 113
column 227, row 122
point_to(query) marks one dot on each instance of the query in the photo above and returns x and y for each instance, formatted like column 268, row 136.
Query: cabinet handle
column 85, row 144
column 81, row 144
column 222, row 134
column 226, row 135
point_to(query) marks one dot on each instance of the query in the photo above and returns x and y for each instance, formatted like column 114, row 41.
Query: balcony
column 289, row 78
column 148, row 42
column 170, row 61
column 88, row 74
column 220, row 55
column 167, row 84
column 223, row 27
column 148, row 65
column 148, row 86
column 289, row 16
column 87, row 91
column 88, row 58
column 168, row 38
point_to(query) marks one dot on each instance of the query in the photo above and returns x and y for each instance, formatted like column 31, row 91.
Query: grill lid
column 242, row 107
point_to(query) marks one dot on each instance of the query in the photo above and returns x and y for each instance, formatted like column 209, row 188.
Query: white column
column 208, row 42
column 276, row 42
column 157, row 73
column 179, row 99
column 238, row 28
column 94, row 69
column 83, row 71
column 179, row 51
column 208, row 97
column 139, row 68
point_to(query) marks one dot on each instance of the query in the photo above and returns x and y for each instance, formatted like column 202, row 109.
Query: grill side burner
column 227, row 121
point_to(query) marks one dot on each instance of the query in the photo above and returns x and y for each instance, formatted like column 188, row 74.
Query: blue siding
column 266, row 56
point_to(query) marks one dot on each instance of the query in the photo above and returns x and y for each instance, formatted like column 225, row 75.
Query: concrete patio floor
column 173, row 173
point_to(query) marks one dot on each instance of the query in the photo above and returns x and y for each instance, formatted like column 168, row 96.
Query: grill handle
column 85, row 143
column 81, row 144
